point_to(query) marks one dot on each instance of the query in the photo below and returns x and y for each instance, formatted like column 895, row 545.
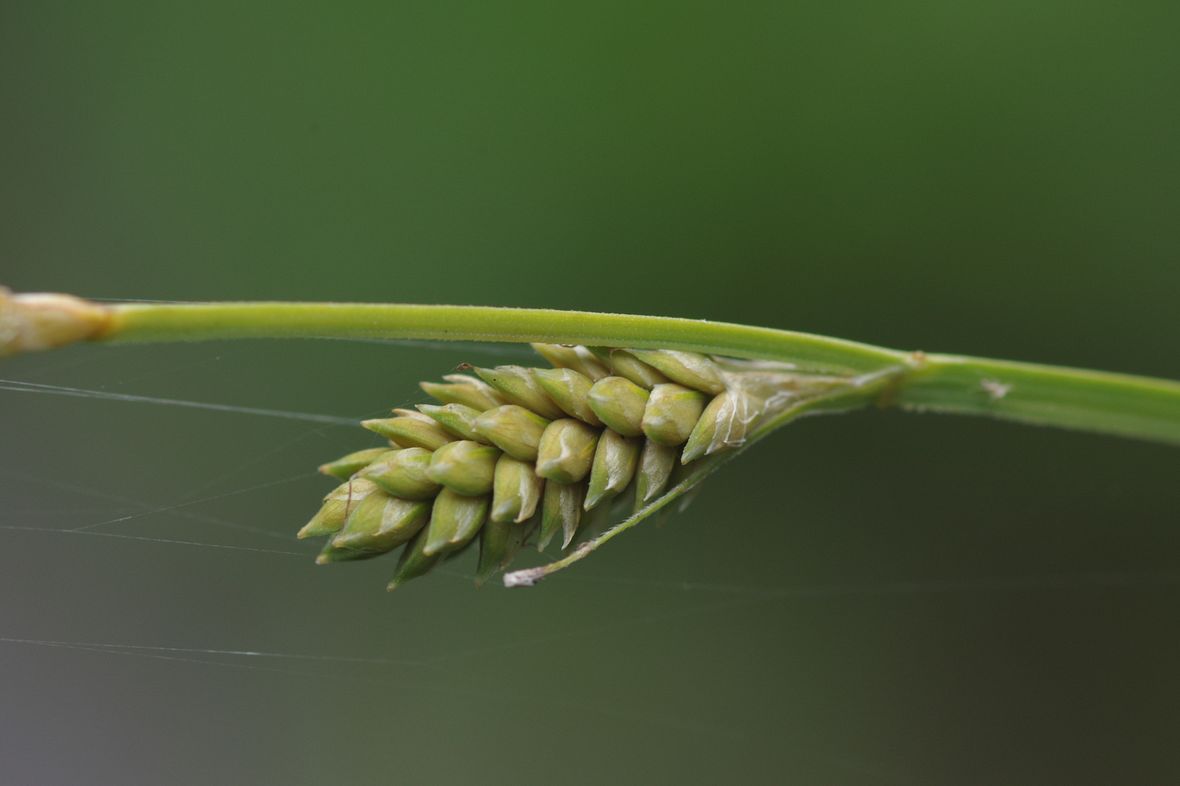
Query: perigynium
column 513, row 455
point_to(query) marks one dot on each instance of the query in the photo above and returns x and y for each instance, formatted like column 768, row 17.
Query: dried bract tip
column 619, row 403
column 516, row 491
column 346, row 466
column 690, row 369
column 672, row 413
column 410, row 432
column 404, row 473
column 513, row 429
column 615, row 460
column 33, row 322
column 464, row 467
column 570, row 390
column 566, row 451
column 516, row 383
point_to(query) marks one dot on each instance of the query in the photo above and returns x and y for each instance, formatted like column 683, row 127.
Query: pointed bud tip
column 593, row 497
column 693, row 451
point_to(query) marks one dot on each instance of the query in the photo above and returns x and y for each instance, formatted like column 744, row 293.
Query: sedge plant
column 631, row 415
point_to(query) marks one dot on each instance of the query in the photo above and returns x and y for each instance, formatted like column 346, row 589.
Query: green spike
column 464, row 467
column 619, row 403
column 690, row 369
column 614, row 466
column 459, row 419
column 346, row 466
column 410, row 432
column 513, row 429
column 656, row 463
column 454, row 521
column 517, row 384
column 672, row 413
column 337, row 505
column 516, row 492
column 404, row 473
column 570, row 390
column 566, row 451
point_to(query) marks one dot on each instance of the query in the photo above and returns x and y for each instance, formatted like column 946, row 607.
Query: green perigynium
column 515, row 454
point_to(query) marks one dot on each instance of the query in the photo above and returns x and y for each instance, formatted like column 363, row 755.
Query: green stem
column 1119, row 404
column 1123, row 405
column 201, row 321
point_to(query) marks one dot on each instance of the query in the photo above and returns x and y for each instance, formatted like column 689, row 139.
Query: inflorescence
column 515, row 454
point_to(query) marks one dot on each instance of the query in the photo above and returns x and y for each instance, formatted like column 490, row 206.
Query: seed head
column 521, row 454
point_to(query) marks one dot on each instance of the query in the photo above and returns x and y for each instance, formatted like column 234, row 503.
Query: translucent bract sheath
column 518, row 454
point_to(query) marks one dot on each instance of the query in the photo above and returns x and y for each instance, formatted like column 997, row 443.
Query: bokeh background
column 871, row 599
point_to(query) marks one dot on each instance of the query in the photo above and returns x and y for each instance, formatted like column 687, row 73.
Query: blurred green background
column 871, row 599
